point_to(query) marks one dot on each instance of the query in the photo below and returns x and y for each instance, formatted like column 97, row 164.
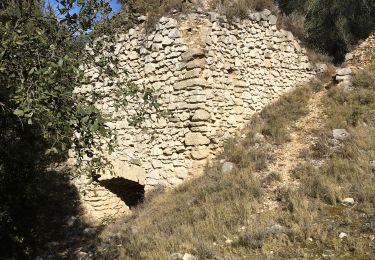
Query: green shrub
column 333, row 26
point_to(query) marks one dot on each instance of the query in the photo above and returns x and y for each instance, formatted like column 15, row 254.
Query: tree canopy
column 41, row 118
column 333, row 26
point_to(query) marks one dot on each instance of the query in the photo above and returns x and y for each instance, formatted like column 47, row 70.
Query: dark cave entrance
column 132, row 193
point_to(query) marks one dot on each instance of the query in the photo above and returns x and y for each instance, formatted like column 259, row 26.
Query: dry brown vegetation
column 240, row 9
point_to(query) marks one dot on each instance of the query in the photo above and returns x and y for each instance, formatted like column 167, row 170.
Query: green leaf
column 33, row 69
column 94, row 127
column 18, row 112
column 85, row 119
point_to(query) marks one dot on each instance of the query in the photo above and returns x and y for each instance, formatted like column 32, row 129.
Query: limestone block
column 149, row 68
column 198, row 63
column 197, row 98
column 194, row 73
column 200, row 154
column 156, row 163
column 272, row 19
column 255, row 17
column 122, row 169
column 181, row 172
column 156, row 151
column 174, row 181
column 343, row 71
column 166, row 41
column 185, row 84
column 191, row 54
column 192, row 139
column 201, row 115
column 265, row 14
column 174, row 34
column 172, row 23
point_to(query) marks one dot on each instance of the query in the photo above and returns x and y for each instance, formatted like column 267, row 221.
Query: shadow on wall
column 132, row 193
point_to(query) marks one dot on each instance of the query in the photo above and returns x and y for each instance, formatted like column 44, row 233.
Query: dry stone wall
column 211, row 77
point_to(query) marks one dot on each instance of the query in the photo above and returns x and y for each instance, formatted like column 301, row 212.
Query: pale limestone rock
column 340, row 134
column 272, row 19
column 166, row 41
column 197, row 98
column 232, row 119
column 149, row 68
column 191, row 54
column 201, row 115
column 348, row 201
column 228, row 167
column 172, row 23
column 181, row 172
column 200, row 154
column 194, row 73
column 198, row 63
column 156, row 163
column 174, row 34
column 192, row 139
column 122, row 169
column 343, row 71
column 190, row 83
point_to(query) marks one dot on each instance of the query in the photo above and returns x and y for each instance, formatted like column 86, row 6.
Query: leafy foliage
column 41, row 118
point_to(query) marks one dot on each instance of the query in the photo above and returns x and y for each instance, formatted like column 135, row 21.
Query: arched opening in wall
column 132, row 193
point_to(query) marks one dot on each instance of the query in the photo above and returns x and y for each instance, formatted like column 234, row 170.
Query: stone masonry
column 211, row 77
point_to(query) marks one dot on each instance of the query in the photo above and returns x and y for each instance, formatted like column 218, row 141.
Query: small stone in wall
column 192, row 139
column 149, row 68
column 201, row 115
column 192, row 54
column 181, row 172
column 265, row 14
column 156, row 163
column 200, row 154
column 172, row 23
column 272, row 19
column 198, row 63
column 190, row 83
column 255, row 17
column 174, row 34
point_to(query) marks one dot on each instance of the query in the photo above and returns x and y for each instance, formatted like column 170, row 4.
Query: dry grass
column 157, row 9
column 345, row 171
column 293, row 22
column 240, row 8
